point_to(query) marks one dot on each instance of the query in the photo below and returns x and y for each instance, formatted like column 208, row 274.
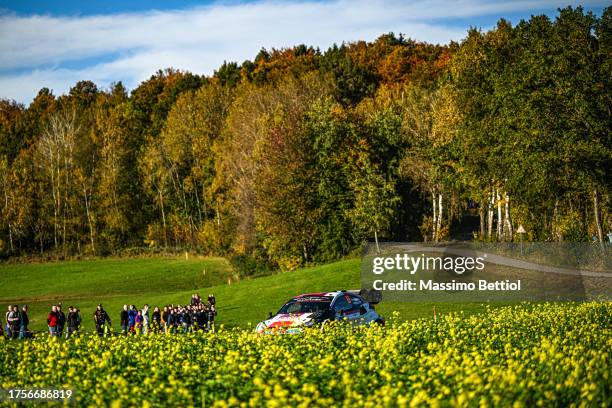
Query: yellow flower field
column 526, row 355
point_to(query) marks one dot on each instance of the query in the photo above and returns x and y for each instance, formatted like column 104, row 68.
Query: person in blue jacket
column 132, row 318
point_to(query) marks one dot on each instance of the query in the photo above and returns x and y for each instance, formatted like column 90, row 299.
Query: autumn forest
column 300, row 155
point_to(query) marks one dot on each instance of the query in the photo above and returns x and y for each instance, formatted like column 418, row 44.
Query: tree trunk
column 116, row 205
column 450, row 215
column 54, row 194
column 199, row 206
column 161, row 204
column 91, row 228
column 597, row 218
column 508, row 228
column 439, row 222
column 10, row 231
column 481, row 212
column 66, row 196
column 500, row 224
column 376, row 240
column 434, row 221
column 183, row 198
column 204, row 209
column 491, row 201
column 555, row 226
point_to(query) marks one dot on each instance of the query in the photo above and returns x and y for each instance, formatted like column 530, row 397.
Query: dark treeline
column 298, row 156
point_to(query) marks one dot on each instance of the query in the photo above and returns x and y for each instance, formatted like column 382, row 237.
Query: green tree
column 375, row 199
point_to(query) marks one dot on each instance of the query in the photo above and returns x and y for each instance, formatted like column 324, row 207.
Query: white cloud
column 36, row 50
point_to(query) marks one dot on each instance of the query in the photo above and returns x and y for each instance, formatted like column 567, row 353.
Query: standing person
column 204, row 316
column 169, row 321
column 101, row 319
column 9, row 322
column 15, row 321
column 52, row 321
column 61, row 319
column 193, row 315
column 212, row 312
column 186, row 319
column 132, row 318
column 72, row 321
column 145, row 319
column 201, row 316
column 138, row 322
column 7, row 328
column 183, row 318
column 24, row 322
column 193, row 318
column 172, row 320
column 176, row 321
column 156, row 320
column 124, row 319
column 69, row 326
column 165, row 315
column 211, row 299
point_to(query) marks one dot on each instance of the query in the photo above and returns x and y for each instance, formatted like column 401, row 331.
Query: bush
column 246, row 265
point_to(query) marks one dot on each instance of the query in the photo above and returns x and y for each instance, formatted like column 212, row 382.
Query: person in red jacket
column 52, row 321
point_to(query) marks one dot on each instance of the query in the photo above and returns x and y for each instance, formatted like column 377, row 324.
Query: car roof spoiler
column 371, row 296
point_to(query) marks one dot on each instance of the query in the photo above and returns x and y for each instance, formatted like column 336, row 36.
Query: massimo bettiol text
column 411, row 265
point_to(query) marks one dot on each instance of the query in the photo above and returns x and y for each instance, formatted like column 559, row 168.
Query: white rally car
column 316, row 308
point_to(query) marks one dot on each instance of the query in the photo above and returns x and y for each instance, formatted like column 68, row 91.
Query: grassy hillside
column 110, row 281
column 110, row 277
column 161, row 281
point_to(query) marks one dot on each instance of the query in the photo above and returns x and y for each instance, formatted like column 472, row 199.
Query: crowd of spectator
column 197, row 315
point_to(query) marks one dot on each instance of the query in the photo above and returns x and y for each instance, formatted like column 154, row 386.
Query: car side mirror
column 269, row 315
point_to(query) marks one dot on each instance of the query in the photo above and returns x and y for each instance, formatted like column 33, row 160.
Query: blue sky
column 56, row 43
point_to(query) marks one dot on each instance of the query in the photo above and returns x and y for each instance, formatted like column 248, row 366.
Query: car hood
column 281, row 322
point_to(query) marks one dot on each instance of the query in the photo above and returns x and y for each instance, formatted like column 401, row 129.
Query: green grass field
column 172, row 280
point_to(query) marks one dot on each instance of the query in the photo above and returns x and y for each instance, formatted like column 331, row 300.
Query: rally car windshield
column 294, row 306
